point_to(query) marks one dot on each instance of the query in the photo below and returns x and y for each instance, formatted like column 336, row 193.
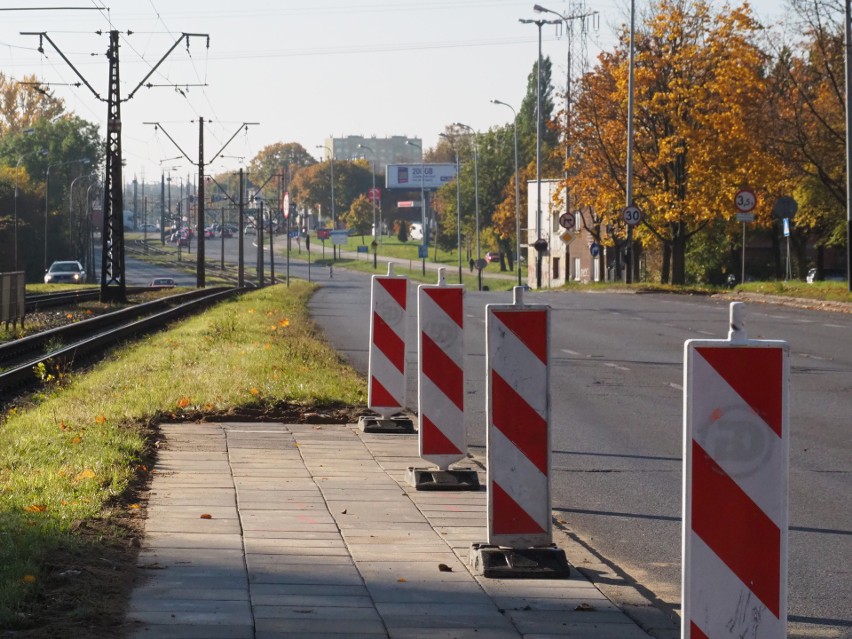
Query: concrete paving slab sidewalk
column 266, row 531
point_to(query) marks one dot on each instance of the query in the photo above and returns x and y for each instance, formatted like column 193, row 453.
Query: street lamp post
column 458, row 203
column 373, row 200
column 41, row 152
column 425, row 239
column 628, row 279
column 333, row 215
column 568, row 19
column 258, row 199
column 476, row 201
column 71, row 201
column 90, row 239
column 47, row 191
column 540, row 243
column 517, row 193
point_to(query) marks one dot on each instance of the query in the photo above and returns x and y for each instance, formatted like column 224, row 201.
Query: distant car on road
column 828, row 275
column 162, row 282
column 66, row 272
column 492, row 256
column 148, row 228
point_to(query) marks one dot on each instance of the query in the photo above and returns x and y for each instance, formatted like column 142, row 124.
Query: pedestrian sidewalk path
column 266, row 531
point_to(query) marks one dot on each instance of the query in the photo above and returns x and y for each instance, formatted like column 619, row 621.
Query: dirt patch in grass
column 86, row 587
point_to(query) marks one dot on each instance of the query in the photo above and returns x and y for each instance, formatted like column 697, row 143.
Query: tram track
column 70, row 344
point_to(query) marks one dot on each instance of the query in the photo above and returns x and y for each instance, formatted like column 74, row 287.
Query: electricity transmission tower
column 113, row 286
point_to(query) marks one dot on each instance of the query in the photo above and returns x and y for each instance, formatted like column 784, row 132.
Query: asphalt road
column 617, row 428
column 617, row 431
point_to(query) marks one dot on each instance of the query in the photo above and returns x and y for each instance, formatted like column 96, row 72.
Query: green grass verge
column 392, row 247
column 828, row 291
column 415, row 273
column 68, row 456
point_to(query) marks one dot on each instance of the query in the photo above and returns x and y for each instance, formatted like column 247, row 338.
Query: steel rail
column 96, row 335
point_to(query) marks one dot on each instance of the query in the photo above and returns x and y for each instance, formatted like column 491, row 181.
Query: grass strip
column 70, row 455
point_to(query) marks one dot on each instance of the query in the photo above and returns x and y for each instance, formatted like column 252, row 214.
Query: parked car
column 66, row 272
column 492, row 256
column 162, row 282
column 224, row 231
column 148, row 228
column 828, row 275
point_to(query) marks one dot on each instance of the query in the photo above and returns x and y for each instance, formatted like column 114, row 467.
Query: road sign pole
column 745, row 201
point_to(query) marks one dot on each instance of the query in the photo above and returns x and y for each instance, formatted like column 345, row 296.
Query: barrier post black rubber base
column 378, row 424
column 518, row 563
column 436, row 479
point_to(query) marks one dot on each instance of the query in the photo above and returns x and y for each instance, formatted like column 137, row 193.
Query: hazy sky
column 303, row 69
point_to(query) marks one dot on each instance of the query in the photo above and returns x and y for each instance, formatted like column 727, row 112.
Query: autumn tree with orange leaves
column 699, row 92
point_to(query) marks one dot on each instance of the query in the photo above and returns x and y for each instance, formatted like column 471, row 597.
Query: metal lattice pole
column 113, row 288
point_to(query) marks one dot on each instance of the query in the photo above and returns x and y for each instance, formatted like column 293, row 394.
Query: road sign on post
column 567, row 221
column 632, row 215
column 736, row 457
column 785, row 207
column 745, row 200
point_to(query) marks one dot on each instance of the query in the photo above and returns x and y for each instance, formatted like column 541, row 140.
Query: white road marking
column 570, row 352
column 611, row 365
column 676, row 386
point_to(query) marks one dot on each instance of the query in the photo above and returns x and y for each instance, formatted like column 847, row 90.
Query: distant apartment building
column 392, row 150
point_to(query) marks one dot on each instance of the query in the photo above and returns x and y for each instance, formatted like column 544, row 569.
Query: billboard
column 407, row 176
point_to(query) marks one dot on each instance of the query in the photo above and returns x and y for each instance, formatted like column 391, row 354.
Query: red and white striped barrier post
column 518, row 440
column 440, row 387
column 736, row 458
column 387, row 364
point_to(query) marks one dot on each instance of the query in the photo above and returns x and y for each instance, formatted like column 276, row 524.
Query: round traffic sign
column 785, row 207
column 632, row 215
column 594, row 249
column 567, row 221
column 745, row 200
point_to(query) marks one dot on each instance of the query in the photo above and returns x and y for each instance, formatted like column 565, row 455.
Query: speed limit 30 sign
column 745, row 200
column 632, row 215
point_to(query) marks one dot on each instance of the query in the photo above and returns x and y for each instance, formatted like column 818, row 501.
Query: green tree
column 359, row 217
column 67, row 139
column 526, row 114
column 808, row 113
column 285, row 158
column 311, row 186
